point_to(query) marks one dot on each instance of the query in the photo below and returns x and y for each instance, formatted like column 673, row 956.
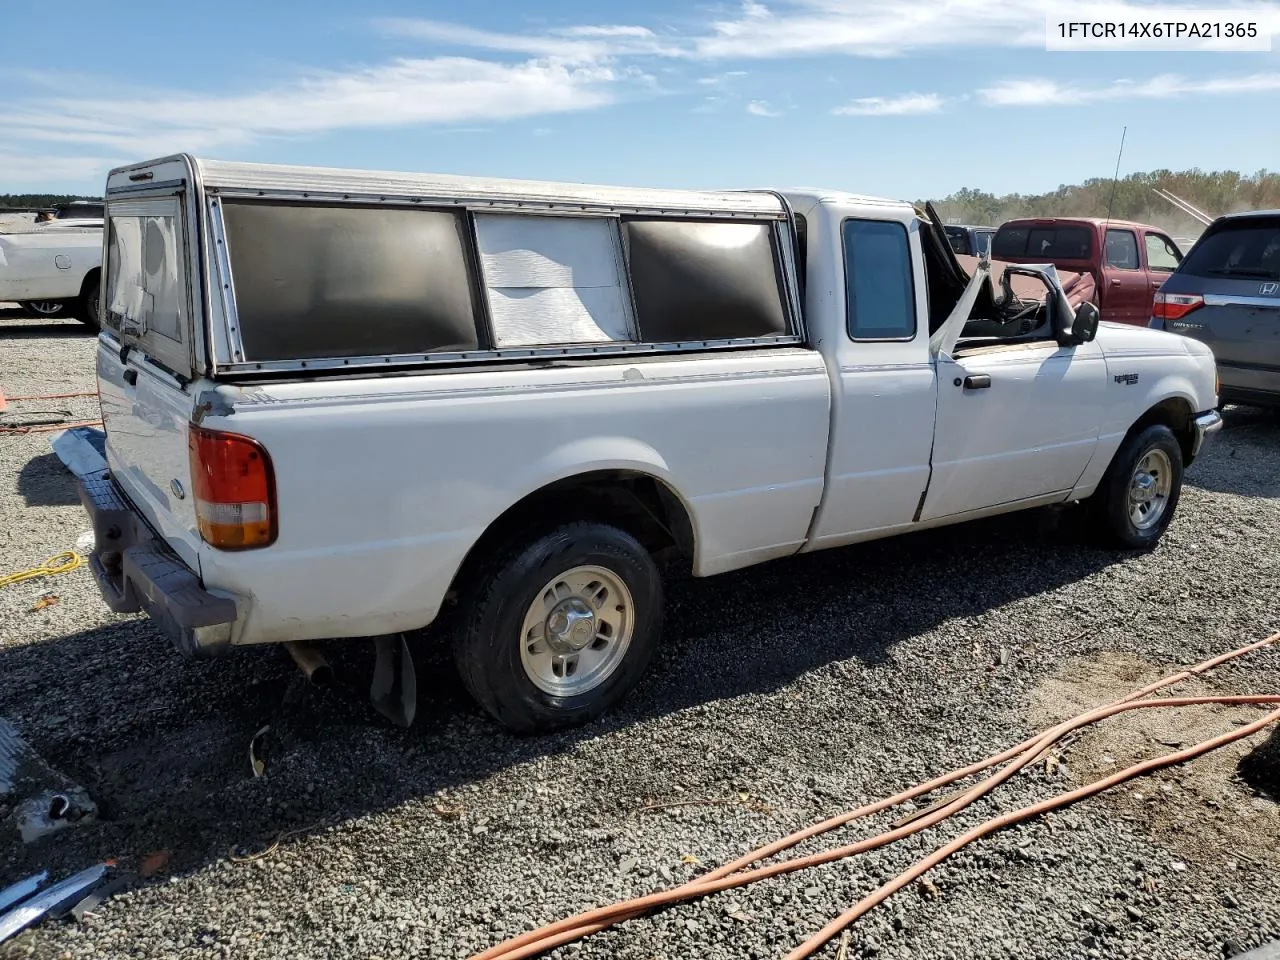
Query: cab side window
column 879, row 282
column 1162, row 255
column 1122, row 250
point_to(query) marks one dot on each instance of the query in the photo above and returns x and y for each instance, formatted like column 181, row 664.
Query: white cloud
column 1039, row 92
column 575, row 43
column 909, row 104
column 761, row 108
column 23, row 169
column 443, row 90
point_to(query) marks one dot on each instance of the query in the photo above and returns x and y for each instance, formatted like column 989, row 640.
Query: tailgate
column 145, row 414
column 144, row 360
column 1243, row 330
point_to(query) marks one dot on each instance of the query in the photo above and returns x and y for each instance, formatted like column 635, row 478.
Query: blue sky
column 901, row 98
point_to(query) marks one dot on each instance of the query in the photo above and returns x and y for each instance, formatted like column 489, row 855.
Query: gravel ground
column 788, row 693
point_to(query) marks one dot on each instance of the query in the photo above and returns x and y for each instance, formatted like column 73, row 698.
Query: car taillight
column 1172, row 306
column 234, row 489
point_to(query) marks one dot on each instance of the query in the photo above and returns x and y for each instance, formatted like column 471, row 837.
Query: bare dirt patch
column 1216, row 806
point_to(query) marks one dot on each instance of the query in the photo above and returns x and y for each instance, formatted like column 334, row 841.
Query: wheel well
column 1176, row 414
column 640, row 504
column 89, row 278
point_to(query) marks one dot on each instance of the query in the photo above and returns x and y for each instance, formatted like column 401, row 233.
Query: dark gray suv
column 1226, row 293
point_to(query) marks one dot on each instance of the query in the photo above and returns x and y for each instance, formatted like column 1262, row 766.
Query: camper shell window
column 347, row 281
column 323, row 284
column 699, row 280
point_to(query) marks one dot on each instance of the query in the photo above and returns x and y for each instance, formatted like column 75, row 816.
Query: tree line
column 38, row 199
column 1129, row 198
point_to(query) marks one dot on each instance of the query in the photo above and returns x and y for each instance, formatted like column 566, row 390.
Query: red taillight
column 234, row 489
column 1172, row 306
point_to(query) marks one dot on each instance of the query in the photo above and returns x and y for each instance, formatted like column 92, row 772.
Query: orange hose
column 556, row 934
column 882, row 893
column 51, row 427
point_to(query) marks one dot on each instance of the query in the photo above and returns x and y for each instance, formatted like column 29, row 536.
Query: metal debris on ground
column 17, row 892
column 41, row 800
column 60, row 895
column 82, row 450
column 256, row 743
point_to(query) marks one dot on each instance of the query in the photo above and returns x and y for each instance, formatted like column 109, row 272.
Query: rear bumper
column 135, row 571
column 1249, row 384
column 1204, row 424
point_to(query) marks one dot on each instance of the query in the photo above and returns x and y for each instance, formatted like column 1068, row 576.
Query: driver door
column 1016, row 422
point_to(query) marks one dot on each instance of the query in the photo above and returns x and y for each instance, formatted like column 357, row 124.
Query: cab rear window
column 1244, row 249
column 1051, row 243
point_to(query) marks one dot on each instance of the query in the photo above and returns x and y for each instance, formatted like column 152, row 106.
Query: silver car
column 1226, row 293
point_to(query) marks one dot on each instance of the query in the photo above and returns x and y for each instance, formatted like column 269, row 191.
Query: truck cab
column 1128, row 261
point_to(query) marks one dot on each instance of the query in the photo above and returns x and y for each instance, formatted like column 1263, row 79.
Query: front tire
column 559, row 629
column 1139, row 493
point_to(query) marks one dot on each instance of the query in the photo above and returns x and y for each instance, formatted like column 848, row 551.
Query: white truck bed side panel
column 384, row 484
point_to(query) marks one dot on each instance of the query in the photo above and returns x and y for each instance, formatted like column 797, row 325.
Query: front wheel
column 1135, row 501
column 560, row 628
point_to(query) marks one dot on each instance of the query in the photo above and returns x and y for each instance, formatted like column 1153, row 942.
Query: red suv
column 1128, row 261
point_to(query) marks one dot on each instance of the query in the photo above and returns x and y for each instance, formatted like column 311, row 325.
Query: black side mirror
column 1085, row 325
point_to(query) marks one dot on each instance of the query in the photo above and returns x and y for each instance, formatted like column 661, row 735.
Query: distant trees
column 1216, row 193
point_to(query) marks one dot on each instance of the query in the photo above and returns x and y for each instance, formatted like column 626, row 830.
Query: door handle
column 1115, row 283
column 977, row 381
column 131, row 377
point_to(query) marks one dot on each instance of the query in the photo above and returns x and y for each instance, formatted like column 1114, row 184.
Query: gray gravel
column 810, row 686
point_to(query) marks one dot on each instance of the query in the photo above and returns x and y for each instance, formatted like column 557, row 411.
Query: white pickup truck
column 339, row 404
column 54, row 268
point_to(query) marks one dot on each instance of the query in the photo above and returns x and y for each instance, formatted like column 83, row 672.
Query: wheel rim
column 576, row 631
column 1149, row 489
column 46, row 308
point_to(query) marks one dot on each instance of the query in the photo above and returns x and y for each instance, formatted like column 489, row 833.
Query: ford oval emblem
column 176, row 487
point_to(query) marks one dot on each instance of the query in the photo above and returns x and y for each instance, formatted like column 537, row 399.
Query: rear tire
column 89, row 304
column 1139, row 493
column 557, row 630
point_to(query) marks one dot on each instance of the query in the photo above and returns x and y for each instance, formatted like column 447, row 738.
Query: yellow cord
column 62, row 563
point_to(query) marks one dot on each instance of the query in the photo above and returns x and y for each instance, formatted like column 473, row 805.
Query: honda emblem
column 1269, row 289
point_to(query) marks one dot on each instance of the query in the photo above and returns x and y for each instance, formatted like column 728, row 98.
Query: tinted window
column 313, row 282
column 1122, row 250
column 959, row 238
column 1162, row 255
column 1051, row 243
column 982, row 240
column 702, row 280
column 81, row 211
column 879, row 282
column 1247, row 249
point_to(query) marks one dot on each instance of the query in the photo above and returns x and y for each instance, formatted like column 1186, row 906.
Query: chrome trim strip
column 1227, row 300
column 493, row 356
column 561, row 208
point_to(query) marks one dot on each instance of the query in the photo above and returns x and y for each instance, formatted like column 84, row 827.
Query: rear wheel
column 43, row 308
column 1136, row 499
column 560, row 628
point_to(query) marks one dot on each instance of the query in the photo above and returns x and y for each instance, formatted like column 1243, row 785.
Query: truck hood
column 1126, row 340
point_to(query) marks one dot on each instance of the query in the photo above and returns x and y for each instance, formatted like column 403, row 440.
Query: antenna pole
column 1115, row 180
